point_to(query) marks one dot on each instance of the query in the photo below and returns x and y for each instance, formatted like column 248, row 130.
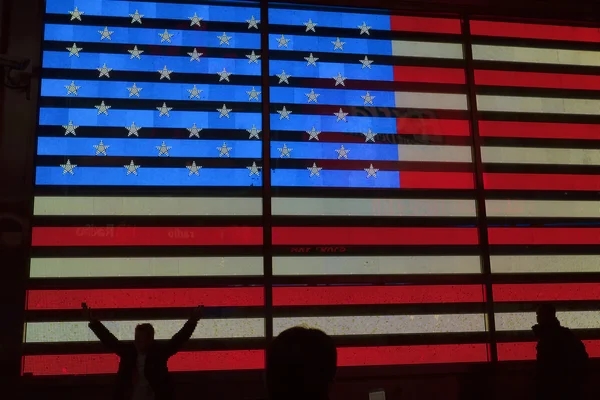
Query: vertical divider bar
column 484, row 244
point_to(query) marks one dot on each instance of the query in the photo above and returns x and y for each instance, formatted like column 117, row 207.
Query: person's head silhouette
column 144, row 337
column 546, row 315
column 301, row 364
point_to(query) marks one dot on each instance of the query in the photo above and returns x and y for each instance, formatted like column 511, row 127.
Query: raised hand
column 197, row 313
column 87, row 312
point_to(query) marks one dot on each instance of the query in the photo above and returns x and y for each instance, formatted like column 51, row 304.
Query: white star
column 310, row 26
column 223, row 150
column 194, row 92
column 163, row 149
column 338, row 44
column 252, row 58
column 131, row 168
column 164, row 110
column 224, row 112
column 285, row 151
column 101, row 148
column 165, row 36
column 339, row 79
column 195, row 20
column 105, row 34
column 224, row 39
column 370, row 136
column 194, row 169
column 364, row 28
column 195, row 55
column 253, row 94
column 103, row 108
column 70, row 128
column 371, row 171
column 74, row 51
column 313, row 134
column 137, row 17
column 76, row 14
column 165, row 73
column 366, row 63
column 194, row 131
column 314, row 170
column 224, row 75
column 68, row 167
column 253, row 132
column 254, row 169
column 312, row 96
column 342, row 153
column 134, row 90
column 341, row 116
column 284, row 113
column 132, row 130
column 283, row 77
column 135, row 53
column 104, row 71
column 310, row 60
column 253, row 23
column 72, row 88
column 367, row 98
column 283, row 42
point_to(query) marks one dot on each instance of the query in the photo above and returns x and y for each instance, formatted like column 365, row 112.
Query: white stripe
column 144, row 266
column 365, row 265
column 427, row 49
column 386, row 324
column 538, row 105
column 545, row 264
column 529, row 155
column 421, row 153
column 57, row 332
column 373, row 207
column 535, row 55
column 543, row 208
column 570, row 319
column 155, row 206
column 441, row 101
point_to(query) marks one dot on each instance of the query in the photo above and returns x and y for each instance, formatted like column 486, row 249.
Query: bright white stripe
column 373, row 207
column 56, row 332
column 441, row 101
column 56, row 205
column 570, row 319
column 529, row 155
column 386, row 324
column 364, row 265
column 538, row 105
column 434, row 153
column 535, row 55
column 427, row 49
column 543, row 208
column 144, row 266
column 545, row 264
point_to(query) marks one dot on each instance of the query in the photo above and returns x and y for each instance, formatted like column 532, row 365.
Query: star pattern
column 342, row 153
column 72, row 88
column 104, row 71
column 224, row 75
column 131, row 168
column 369, row 136
column 74, row 50
column 194, row 169
column 105, row 34
column 366, row 63
column 224, row 150
column 253, row 95
column 254, row 169
column 313, row 134
column 165, row 73
column 102, row 108
column 253, row 132
column 224, row 112
column 163, row 149
column 70, row 129
column 76, row 14
column 338, row 45
column 224, row 39
column 282, row 41
column 135, row 53
column 285, row 151
column 368, row 99
column 194, row 131
column 134, row 90
column 101, row 148
column 364, row 28
column 253, row 22
column 68, row 167
column 283, row 77
column 195, row 56
column 195, row 20
column 166, row 36
column 284, row 113
column 136, row 17
column 339, row 79
column 371, row 172
column 310, row 25
column 164, row 110
column 312, row 96
column 341, row 115
column 314, row 170
column 311, row 60
column 194, row 92
column 133, row 130
column 252, row 58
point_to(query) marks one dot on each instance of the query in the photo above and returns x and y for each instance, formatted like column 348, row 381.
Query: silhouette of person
column 301, row 365
column 143, row 373
column 561, row 358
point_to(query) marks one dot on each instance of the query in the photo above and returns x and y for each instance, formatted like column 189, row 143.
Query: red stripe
column 541, row 182
column 421, row 24
column 546, row 292
column 86, row 364
column 431, row 126
column 373, row 236
column 436, row 180
column 526, row 350
column 143, row 298
column 336, row 295
column 132, row 236
column 401, row 355
column 541, row 130
column 535, row 31
column 533, row 236
column 536, row 79
column 429, row 75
